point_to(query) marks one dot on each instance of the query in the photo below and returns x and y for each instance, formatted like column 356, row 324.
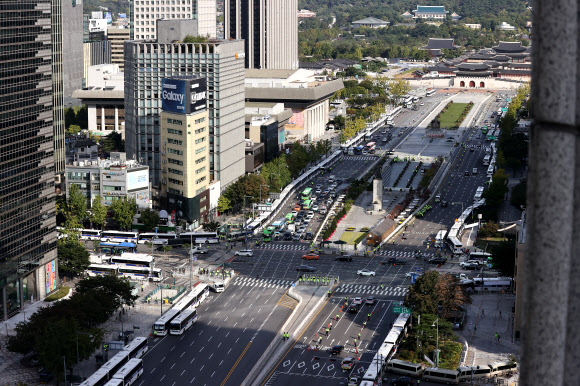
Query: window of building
column 174, row 141
column 200, row 150
column 175, row 171
column 174, row 151
column 200, row 140
column 176, row 182
column 200, row 190
column 200, row 120
column 200, row 170
column 199, row 160
column 175, row 161
column 175, row 191
column 112, row 188
column 173, row 131
column 200, row 180
column 200, row 130
column 175, row 121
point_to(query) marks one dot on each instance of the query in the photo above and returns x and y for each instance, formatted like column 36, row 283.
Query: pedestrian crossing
column 407, row 254
column 372, row 290
column 287, row 247
column 265, row 283
column 360, row 158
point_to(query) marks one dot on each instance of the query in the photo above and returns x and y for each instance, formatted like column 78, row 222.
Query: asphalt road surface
column 233, row 330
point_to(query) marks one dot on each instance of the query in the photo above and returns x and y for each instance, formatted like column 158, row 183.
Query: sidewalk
column 481, row 329
column 310, row 300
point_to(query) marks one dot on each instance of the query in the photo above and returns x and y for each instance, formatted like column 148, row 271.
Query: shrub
column 59, row 294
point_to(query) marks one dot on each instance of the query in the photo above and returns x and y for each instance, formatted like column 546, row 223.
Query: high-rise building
column 117, row 37
column 269, row 29
column 144, row 16
column 57, row 77
column 185, row 148
column 72, row 47
column 220, row 61
column 28, row 265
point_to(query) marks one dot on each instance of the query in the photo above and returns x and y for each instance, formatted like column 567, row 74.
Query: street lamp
column 246, row 219
column 437, row 343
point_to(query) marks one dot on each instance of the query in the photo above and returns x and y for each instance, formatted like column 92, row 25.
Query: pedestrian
column 142, row 291
column 327, row 331
column 355, row 342
column 330, row 325
column 475, row 329
column 336, row 316
column 359, row 335
column 482, row 313
column 368, row 317
column 365, row 325
column 500, row 314
column 496, row 337
column 381, row 286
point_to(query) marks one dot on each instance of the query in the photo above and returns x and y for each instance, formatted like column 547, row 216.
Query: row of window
column 175, row 141
column 200, row 130
column 200, row 180
column 200, row 120
column 176, row 182
column 175, row 171
column 172, row 9
column 162, row 2
column 173, row 131
column 199, row 160
column 201, row 150
column 200, row 140
column 175, row 121
column 175, row 191
column 174, row 151
column 200, row 170
column 175, row 161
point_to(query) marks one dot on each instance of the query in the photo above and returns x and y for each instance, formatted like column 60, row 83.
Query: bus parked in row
column 118, row 236
column 156, row 238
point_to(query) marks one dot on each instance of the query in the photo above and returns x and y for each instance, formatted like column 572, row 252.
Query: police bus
column 102, row 269
column 134, row 260
column 141, row 273
column 137, row 348
column 156, row 238
column 119, row 236
column 110, row 249
column 130, row 372
column 115, row 363
column 191, row 300
column 99, row 378
column 183, row 321
column 199, row 237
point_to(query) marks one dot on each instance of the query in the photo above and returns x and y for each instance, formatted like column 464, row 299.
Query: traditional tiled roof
column 473, row 73
column 407, row 15
column 501, row 58
column 512, row 47
column 473, row 67
column 371, row 20
column 430, row 9
column 440, row 44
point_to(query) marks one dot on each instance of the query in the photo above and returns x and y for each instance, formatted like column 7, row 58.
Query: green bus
column 289, row 218
column 267, row 234
column 484, row 130
column 306, row 204
column 306, row 194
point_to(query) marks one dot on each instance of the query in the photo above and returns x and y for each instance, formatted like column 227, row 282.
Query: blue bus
column 116, row 249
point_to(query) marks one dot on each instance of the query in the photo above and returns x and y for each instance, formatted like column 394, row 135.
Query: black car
column 444, row 204
column 305, row 268
column 336, row 350
column 437, row 260
column 471, row 266
column 403, row 381
column 288, row 236
column 395, row 261
column 353, row 308
column 466, row 173
column 308, row 236
column 344, row 258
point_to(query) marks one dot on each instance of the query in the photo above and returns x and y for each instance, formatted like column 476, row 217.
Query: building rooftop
column 509, row 47
column 430, row 9
column 371, row 20
column 268, row 73
column 440, row 44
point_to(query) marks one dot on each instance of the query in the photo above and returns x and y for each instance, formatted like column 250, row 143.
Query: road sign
column 503, row 109
column 509, row 99
column 401, row 310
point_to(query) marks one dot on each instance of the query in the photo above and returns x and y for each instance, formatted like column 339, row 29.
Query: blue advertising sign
column 109, row 17
column 122, row 15
column 173, row 95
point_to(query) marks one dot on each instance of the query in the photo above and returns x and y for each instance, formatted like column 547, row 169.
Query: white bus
column 374, row 370
column 430, row 92
column 115, row 363
column 492, row 284
column 398, row 366
column 134, row 260
column 455, row 245
column 141, row 273
column 161, row 326
column 115, row 382
column 90, row 234
column 130, row 372
column 467, row 373
column 118, row 236
column 478, row 193
column 441, row 375
column 137, row 348
column 199, row 237
column 156, row 238
column 99, row 378
column 486, row 160
column 440, row 239
column 183, row 321
column 102, row 269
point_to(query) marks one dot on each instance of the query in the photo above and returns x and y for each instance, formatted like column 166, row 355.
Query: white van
column 466, row 373
column 406, row 368
column 441, row 375
column 217, row 287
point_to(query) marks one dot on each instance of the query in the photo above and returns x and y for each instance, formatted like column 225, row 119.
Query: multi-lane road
column 236, row 326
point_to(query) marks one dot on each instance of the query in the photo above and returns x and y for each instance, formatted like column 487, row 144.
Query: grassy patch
column 403, row 74
column 449, row 117
column 59, row 294
column 358, row 237
column 346, row 236
column 450, row 355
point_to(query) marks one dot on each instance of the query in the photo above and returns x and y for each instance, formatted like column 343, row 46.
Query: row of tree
column 68, row 331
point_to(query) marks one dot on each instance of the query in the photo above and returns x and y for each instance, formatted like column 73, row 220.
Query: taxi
column 311, row 256
column 347, row 363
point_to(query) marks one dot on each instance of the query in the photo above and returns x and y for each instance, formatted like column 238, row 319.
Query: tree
column 119, row 289
column 450, row 295
column 495, row 194
column 166, row 248
column 73, row 130
column 98, row 212
column 73, row 258
column 276, row 174
column 77, row 202
column 123, row 211
column 504, row 257
column 224, row 204
column 149, row 219
column 422, row 297
column 113, row 142
column 212, row 226
column 398, row 88
column 195, row 39
column 519, row 195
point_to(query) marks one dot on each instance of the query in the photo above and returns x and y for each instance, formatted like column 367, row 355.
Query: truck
column 217, row 287
column 291, row 228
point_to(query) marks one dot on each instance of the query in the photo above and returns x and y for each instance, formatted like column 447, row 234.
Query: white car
column 365, row 272
column 409, row 274
column 294, row 213
column 315, row 208
column 245, row 252
column 357, row 301
column 199, row 249
column 318, row 191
